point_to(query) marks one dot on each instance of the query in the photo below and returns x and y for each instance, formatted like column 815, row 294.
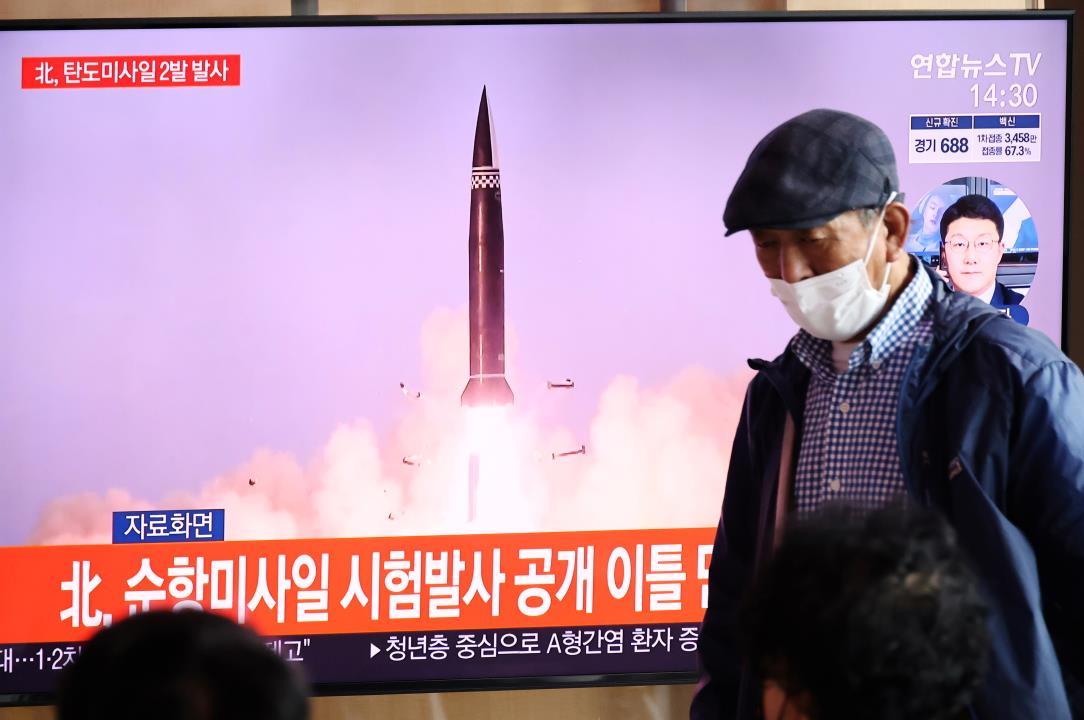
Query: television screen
column 418, row 346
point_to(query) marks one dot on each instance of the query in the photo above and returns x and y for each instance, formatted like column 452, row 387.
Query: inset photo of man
column 980, row 236
column 972, row 247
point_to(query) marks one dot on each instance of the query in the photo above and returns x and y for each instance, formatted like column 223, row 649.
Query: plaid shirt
column 848, row 447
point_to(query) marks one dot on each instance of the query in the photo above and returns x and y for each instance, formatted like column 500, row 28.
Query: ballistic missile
column 487, row 384
column 566, row 384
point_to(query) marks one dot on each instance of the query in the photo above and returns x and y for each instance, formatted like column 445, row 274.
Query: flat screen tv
column 416, row 344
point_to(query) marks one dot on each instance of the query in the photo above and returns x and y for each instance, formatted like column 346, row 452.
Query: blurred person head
column 186, row 665
column 867, row 617
column 929, row 213
column 971, row 232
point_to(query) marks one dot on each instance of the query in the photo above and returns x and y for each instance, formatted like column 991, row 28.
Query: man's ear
column 898, row 221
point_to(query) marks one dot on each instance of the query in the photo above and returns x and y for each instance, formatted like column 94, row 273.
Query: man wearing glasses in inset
column 971, row 244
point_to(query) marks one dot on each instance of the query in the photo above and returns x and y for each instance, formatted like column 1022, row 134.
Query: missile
column 487, row 384
column 569, row 453
column 566, row 384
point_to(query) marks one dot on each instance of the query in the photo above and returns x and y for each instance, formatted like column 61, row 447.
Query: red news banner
column 127, row 71
column 370, row 585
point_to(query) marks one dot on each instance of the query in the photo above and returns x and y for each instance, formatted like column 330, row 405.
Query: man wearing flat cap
column 896, row 386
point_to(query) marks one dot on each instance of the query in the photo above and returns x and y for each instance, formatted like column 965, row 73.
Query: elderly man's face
column 796, row 255
column 972, row 253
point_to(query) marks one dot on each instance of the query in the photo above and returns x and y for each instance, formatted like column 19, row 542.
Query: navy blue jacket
column 991, row 433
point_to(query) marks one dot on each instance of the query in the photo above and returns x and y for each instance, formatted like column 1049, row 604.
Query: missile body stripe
column 481, row 182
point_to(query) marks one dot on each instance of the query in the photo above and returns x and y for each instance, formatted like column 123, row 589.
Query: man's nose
column 793, row 266
column 970, row 255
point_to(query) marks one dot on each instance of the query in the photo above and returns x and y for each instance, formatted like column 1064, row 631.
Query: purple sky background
column 190, row 274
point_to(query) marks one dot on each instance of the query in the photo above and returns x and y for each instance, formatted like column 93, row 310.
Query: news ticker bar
column 462, row 655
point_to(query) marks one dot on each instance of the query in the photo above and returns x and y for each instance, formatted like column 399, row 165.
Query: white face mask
column 840, row 304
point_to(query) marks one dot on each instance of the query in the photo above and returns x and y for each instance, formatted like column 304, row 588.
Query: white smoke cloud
column 84, row 518
column 656, row 457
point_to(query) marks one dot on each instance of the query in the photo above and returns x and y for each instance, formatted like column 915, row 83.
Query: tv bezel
column 305, row 20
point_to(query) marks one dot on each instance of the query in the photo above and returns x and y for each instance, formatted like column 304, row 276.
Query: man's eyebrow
column 980, row 235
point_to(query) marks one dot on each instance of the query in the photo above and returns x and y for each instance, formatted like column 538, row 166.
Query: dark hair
column 867, row 216
column 978, row 207
column 874, row 616
column 185, row 665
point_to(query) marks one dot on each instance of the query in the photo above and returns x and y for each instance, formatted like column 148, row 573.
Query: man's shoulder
column 1006, row 342
column 979, row 333
column 761, row 383
column 785, row 367
column 777, row 387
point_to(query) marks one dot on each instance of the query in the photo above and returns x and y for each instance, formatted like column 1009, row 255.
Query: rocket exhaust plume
column 487, row 384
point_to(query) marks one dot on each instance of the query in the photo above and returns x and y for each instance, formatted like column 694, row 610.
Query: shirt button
column 876, row 364
column 844, row 407
column 835, row 485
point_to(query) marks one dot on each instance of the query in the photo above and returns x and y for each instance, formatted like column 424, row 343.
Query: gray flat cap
column 810, row 169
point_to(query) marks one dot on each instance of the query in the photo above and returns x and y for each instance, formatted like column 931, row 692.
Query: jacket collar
column 957, row 318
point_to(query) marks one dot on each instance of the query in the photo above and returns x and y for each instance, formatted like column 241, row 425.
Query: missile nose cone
column 485, row 153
